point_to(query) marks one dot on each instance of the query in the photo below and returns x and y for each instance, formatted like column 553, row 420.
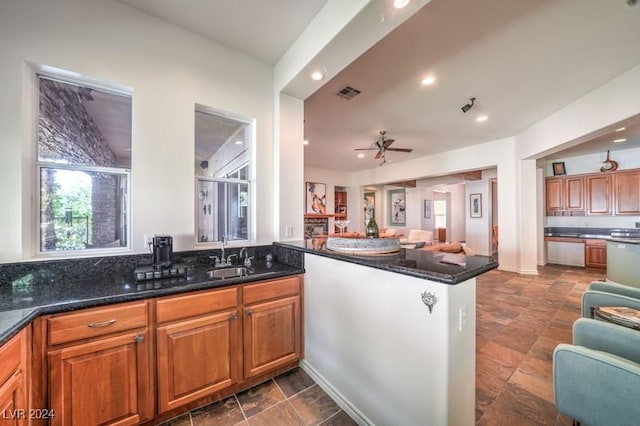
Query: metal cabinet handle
column 139, row 338
column 249, row 312
column 101, row 324
column 233, row 317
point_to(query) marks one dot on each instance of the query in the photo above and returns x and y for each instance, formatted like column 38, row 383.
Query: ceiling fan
column 382, row 145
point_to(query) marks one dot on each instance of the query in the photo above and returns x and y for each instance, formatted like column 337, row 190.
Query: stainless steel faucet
column 223, row 240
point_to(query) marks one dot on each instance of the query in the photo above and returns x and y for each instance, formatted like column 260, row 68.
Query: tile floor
column 520, row 320
column 290, row 399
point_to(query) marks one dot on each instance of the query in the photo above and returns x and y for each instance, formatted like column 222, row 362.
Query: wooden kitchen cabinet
column 565, row 196
column 272, row 325
column 104, row 378
column 201, row 352
column 14, row 371
column 599, row 194
column 627, row 193
column 595, row 253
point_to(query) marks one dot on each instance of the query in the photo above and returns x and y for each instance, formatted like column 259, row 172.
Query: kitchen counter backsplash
column 94, row 267
column 577, row 232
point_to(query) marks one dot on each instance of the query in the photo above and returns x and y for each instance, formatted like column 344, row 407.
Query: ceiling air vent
column 348, row 92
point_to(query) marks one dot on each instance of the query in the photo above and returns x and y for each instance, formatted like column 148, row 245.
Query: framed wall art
column 316, row 198
column 427, row 209
column 397, row 207
column 369, row 206
column 475, row 205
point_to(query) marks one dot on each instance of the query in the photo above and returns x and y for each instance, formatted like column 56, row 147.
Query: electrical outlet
column 148, row 239
column 462, row 318
column 288, row 231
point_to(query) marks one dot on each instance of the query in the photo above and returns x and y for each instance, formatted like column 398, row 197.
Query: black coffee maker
column 162, row 249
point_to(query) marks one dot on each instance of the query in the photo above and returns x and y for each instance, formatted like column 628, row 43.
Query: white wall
column 168, row 69
column 457, row 229
column 478, row 228
column 591, row 163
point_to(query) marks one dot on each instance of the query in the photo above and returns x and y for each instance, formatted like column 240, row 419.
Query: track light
column 467, row 107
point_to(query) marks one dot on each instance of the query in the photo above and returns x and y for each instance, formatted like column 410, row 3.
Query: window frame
column 72, row 78
column 249, row 181
column 436, row 216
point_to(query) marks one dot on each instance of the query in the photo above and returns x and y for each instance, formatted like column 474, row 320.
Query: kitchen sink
column 235, row 272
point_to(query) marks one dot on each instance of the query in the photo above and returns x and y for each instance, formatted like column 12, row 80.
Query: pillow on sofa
column 451, row 247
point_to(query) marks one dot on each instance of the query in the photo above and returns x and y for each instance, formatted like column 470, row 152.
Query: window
column 440, row 213
column 222, row 172
column 83, row 161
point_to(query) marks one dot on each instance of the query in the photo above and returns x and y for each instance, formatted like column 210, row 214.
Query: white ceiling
column 263, row 29
column 523, row 60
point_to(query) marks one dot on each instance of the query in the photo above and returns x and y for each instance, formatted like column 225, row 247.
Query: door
column 599, row 195
column 105, row 382
column 12, row 401
column 197, row 357
column 574, row 193
column 554, row 194
column 272, row 335
column 627, row 192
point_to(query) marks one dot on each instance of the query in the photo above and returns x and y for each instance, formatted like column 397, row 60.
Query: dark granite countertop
column 416, row 263
column 631, row 235
column 42, row 290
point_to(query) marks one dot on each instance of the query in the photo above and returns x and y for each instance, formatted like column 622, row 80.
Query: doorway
column 493, row 195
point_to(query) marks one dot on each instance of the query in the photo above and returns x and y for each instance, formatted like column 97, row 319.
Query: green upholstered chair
column 596, row 380
column 602, row 293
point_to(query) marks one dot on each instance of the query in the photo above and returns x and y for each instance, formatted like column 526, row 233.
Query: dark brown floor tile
column 294, row 381
column 527, row 404
column 224, row 413
column 543, row 348
column 540, row 367
column 259, row 398
column 536, row 385
column 314, row 405
column 558, row 332
column 183, row 420
column 339, row 419
column 281, row 414
column 515, row 339
column 503, row 354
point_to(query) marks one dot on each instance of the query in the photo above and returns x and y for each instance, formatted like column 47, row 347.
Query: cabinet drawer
column 11, row 357
column 96, row 322
column 271, row 290
column 179, row 307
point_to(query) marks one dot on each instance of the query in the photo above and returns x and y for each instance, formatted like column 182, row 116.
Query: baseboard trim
column 340, row 399
column 519, row 271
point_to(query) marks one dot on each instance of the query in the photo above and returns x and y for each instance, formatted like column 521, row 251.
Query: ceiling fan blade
column 378, row 155
column 400, row 149
column 364, row 149
column 388, row 142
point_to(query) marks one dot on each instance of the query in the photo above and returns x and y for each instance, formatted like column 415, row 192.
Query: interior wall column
column 527, row 197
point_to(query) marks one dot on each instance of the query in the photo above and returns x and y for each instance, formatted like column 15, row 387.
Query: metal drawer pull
column 249, row 312
column 139, row 338
column 233, row 316
column 101, row 324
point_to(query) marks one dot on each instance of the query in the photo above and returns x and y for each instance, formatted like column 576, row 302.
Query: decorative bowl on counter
column 363, row 246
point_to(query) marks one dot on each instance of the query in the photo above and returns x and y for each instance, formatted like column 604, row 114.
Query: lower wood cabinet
column 98, row 364
column 595, row 253
column 14, row 409
column 101, row 378
column 272, row 325
column 197, row 357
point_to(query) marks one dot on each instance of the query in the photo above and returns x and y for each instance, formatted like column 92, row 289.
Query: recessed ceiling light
column 620, row 140
column 481, row 118
column 428, row 81
column 305, row 142
column 239, row 142
column 360, row 155
column 399, row 4
column 619, row 129
column 317, row 75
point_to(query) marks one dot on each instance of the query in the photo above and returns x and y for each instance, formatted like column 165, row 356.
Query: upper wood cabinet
column 599, row 194
column 627, row 193
column 565, row 195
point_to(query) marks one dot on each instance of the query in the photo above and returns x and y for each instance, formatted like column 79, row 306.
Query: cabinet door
column 554, row 194
column 105, row 382
column 12, row 401
column 599, row 195
column 595, row 255
column 574, row 193
column 627, row 190
column 272, row 335
column 197, row 357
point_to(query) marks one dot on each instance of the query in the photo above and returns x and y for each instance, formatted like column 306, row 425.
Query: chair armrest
column 623, row 290
column 607, row 337
column 595, row 388
column 593, row 299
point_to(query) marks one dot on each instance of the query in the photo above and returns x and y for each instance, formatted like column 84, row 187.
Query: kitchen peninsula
column 393, row 336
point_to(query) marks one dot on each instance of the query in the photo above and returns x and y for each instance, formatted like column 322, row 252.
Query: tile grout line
column 244, row 415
